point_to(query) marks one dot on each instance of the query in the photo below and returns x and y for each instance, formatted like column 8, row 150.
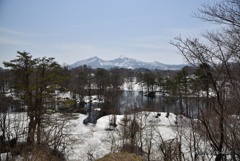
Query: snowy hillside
column 98, row 140
column 153, row 132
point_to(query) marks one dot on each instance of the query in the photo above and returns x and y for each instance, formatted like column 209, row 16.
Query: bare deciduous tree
column 220, row 51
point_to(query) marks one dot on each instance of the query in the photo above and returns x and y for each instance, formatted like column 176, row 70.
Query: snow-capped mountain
column 124, row 62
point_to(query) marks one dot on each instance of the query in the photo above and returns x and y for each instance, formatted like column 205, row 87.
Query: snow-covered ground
column 93, row 141
column 96, row 140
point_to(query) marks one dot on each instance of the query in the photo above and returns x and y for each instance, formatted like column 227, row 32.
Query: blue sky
column 72, row 30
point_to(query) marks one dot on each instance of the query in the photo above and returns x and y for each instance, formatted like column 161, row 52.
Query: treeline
column 29, row 79
column 85, row 81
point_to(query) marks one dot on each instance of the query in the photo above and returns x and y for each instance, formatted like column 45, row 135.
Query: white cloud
column 12, row 41
column 15, row 32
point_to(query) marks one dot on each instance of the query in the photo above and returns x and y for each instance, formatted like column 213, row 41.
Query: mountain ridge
column 125, row 62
